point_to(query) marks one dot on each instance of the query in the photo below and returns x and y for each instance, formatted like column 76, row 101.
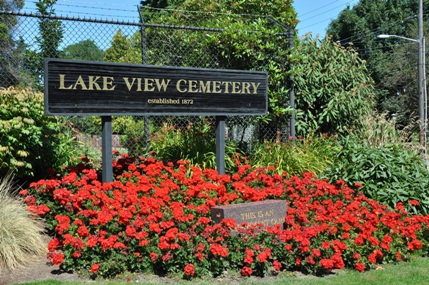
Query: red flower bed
column 156, row 218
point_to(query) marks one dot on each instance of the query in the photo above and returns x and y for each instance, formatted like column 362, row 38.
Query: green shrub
column 193, row 141
column 313, row 154
column 30, row 142
column 334, row 89
column 389, row 174
column 20, row 234
column 134, row 137
column 89, row 125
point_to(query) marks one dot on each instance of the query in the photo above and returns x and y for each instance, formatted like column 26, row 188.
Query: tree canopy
column 10, row 49
column 395, row 77
column 51, row 31
column 123, row 49
column 49, row 39
column 249, row 35
column 253, row 38
column 83, row 50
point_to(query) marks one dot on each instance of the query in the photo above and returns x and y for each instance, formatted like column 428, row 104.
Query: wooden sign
column 110, row 89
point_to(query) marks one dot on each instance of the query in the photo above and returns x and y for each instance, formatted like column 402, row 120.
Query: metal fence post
column 106, row 146
column 220, row 144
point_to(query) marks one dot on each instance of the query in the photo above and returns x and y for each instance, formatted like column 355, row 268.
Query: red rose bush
column 155, row 217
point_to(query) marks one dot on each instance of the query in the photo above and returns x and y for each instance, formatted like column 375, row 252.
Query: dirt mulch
column 38, row 269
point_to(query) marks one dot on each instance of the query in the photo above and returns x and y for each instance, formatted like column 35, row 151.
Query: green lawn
column 410, row 273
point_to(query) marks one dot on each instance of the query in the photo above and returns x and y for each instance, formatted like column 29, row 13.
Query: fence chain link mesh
column 181, row 43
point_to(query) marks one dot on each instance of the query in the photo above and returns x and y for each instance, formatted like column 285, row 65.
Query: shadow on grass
column 414, row 272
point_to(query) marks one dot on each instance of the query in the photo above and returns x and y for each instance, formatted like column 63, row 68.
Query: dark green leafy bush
column 390, row 174
column 334, row 90
column 30, row 142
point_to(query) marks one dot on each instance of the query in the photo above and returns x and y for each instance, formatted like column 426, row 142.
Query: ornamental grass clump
column 155, row 217
column 315, row 153
column 20, row 234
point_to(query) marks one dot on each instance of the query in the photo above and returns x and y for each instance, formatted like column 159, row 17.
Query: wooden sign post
column 85, row 88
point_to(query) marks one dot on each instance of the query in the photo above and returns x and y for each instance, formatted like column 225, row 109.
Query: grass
column 414, row 272
column 20, row 234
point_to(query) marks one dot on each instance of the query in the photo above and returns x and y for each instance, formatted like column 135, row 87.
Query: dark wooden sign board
column 110, row 89
column 86, row 88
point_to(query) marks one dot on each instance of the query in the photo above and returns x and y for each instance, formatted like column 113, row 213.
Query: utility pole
column 422, row 84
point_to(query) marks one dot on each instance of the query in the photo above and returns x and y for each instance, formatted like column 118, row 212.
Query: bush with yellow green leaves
column 30, row 142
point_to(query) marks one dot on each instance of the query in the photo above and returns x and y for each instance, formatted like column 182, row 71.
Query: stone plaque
column 267, row 213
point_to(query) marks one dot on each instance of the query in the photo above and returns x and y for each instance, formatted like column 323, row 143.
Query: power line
column 103, row 7
column 355, row 38
column 319, row 8
column 324, row 12
column 93, row 8
column 98, row 4
column 315, row 24
column 375, row 31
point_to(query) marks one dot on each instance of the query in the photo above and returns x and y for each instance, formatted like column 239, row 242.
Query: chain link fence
column 188, row 40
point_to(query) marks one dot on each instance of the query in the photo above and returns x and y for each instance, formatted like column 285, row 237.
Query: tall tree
column 360, row 25
column 250, row 40
column 9, row 47
column 51, row 31
column 400, row 78
column 83, row 50
column 152, row 8
column 123, row 49
column 49, row 40
column 161, row 4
